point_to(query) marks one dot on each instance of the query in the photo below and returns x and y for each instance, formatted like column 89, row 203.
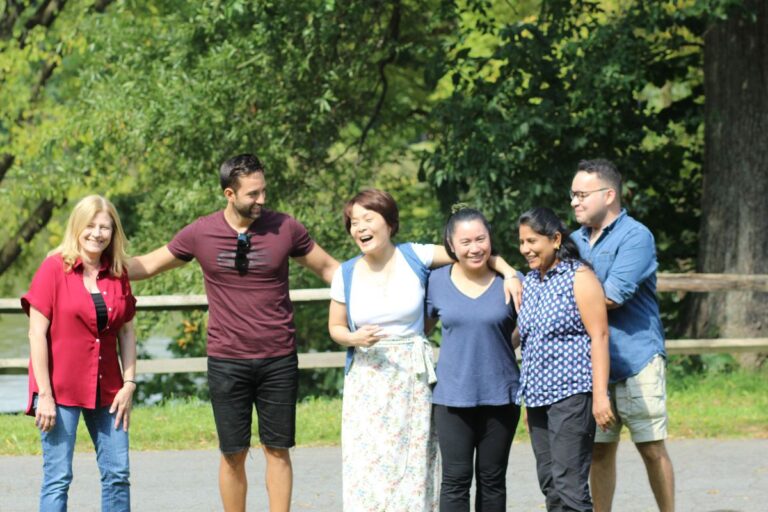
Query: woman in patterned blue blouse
column 563, row 327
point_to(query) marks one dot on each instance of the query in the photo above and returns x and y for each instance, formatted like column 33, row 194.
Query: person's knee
column 493, row 475
column 457, row 475
column 118, row 475
column 604, row 453
column 279, row 456
column 653, row 452
column 234, row 460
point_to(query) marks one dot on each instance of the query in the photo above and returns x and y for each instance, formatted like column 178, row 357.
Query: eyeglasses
column 580, row 196
column 241, row 254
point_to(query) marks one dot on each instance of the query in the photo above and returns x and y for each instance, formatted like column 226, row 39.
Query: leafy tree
column 34, row 38
column 329, row 94
column 579, row 80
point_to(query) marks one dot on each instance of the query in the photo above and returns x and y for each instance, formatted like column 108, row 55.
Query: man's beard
column 249, row 212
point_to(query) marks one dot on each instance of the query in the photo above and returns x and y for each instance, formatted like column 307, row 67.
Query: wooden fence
column 666, row 283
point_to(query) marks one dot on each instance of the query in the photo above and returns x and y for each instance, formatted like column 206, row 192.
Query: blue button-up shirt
column 557, row 361
column 624, row 259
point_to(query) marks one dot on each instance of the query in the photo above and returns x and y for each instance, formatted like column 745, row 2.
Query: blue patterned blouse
column 556, row 348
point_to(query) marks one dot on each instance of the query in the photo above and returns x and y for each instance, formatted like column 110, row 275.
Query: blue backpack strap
column 346, row 273
column 418, row 266
column 347, row 268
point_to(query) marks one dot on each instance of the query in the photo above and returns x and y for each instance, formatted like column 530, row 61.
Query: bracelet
column 129, row 380
column 511, row 277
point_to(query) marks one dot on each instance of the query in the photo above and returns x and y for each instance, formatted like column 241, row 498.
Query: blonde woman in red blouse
column 80, row 311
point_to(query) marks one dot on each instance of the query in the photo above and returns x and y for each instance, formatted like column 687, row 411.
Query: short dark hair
column 546, row 222
column 605, row 170
column 463, row 215
column 378, row 201
column 240, row 165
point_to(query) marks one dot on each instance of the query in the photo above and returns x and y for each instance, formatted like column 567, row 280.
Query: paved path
column 712, row 476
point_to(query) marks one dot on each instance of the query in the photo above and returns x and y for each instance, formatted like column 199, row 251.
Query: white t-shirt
column 395, row 304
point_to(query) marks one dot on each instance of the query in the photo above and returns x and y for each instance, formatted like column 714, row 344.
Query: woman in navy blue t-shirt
column 477, row 374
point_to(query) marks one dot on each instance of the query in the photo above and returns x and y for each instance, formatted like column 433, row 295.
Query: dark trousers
column 562, row 435
column 475, row 439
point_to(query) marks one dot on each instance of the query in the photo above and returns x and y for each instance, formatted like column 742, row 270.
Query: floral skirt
column 388, row 439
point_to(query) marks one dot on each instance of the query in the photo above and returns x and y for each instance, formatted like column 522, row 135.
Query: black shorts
column 237, row 384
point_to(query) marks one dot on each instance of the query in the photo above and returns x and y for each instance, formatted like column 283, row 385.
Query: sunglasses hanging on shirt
column 241, row 253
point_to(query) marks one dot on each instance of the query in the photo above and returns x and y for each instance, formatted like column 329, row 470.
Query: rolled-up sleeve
column 634, row 263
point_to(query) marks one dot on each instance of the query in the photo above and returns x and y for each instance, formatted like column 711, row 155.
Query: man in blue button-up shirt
column 623, row 254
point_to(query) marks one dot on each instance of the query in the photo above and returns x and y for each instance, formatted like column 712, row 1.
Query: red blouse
column 81, row 360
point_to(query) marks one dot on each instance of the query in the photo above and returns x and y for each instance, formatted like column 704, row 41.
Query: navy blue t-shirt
column 477, row 364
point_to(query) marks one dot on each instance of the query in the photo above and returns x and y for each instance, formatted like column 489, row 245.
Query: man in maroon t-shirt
column 243, row 251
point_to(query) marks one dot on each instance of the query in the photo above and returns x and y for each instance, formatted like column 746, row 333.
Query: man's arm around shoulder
column 319, row 262
column 151, row 264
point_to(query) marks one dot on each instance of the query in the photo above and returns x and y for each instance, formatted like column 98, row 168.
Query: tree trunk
column 734, row 220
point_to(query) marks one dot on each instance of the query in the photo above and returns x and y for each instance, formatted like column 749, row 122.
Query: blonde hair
column 82, row 214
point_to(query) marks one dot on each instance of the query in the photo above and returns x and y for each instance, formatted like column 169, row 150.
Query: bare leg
column 233, row 484
column 602, row 476
column 279, row 478
column 660, row 473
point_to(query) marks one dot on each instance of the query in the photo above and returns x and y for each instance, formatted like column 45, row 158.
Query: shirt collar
column 585, row 231
column 561, row 267
column 79, row 263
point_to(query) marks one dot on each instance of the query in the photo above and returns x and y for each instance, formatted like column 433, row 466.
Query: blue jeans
column 111, row 455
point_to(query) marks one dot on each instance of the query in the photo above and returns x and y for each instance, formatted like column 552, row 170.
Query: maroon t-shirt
column 249, row 313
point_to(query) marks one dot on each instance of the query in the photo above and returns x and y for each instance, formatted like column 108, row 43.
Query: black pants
column 562, row 435
column 479, row 439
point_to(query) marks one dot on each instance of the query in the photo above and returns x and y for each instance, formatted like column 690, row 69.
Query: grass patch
column 724, row 405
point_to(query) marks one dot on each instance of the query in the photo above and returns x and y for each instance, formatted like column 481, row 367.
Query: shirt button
column 99, row 358
column 100, row 375
column 97, row 340
column 103, row 293
column 109, row 309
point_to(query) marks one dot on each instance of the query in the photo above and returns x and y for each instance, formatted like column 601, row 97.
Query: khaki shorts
column 640, row 403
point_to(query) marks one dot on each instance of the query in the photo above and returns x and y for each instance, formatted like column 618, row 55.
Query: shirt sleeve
column 130, row 300
column 301, row 242
column 425, row 253
column 42, row 290
column 337, row 286
column 634, row 263
column 183, row 244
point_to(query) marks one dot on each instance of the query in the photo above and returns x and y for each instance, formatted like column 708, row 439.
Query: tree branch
column 8, row 19
column 34, row 223
column 6, row 161
column 394, row 34
column 45, row 15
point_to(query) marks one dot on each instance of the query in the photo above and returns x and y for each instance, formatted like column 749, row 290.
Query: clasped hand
column 366, row 336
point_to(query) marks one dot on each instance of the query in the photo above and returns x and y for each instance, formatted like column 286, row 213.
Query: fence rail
column 666, row 282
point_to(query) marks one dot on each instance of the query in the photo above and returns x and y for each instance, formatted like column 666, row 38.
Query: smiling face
column 368, row 229
column 251, row 195
column 592, row 210
column 471, row 243
column 96, row 236
column 539, row 251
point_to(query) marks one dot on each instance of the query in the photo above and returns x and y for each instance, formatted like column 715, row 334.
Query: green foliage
column 150, row 97
column 581, row 79
column 682, row 368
